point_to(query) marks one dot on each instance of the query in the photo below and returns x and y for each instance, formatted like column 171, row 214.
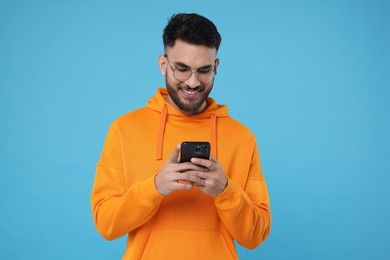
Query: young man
column 190, row 210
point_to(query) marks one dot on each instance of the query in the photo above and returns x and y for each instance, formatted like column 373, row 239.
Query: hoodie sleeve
column 118, row 209
column 248, row 206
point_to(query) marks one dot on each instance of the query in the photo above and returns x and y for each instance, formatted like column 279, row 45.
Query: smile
column 191, row 92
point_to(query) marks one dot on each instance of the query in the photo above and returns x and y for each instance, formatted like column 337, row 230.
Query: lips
column 191, row 93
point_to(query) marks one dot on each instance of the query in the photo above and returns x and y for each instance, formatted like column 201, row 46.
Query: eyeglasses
column 183, row 73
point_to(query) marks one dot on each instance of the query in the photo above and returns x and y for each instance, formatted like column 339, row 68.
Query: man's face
column 188, row 96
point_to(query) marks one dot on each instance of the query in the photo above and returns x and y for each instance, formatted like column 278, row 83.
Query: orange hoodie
column 185, row 224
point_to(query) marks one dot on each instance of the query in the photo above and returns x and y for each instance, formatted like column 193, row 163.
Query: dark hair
column 191, row 28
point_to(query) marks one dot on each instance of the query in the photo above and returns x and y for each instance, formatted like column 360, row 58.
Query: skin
column 190, row 56
column 207, row 175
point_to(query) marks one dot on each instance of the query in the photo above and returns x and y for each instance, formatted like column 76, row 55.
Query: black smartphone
column 194, row 150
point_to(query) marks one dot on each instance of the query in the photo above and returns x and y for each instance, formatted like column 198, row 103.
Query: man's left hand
column 212, row 182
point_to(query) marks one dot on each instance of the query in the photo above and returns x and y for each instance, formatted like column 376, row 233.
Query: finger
column 188, row 176
column 202, row 162
column 197, row 174
column 201, row 183
column 181, row 186
column 187, row 166
column 192, row 177
column 173, row 158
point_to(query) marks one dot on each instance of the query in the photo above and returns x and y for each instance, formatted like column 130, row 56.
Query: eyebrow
column 181, row 64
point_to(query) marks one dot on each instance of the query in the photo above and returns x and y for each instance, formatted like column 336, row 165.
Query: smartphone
column 194, row 150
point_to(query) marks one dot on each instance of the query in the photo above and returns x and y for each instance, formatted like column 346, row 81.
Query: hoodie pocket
column 186, row 244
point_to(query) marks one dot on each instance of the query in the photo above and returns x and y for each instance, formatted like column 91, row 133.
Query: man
column 191, row 210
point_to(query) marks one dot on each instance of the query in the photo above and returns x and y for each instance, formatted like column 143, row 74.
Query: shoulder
column 131, row 117
column 234, row 128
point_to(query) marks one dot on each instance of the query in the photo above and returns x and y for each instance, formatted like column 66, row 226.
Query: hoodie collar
column 213, row 111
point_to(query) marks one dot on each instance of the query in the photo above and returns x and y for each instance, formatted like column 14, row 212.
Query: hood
column 212, row 112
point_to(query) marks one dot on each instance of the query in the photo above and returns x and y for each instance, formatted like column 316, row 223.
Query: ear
column 216, row 65
column 162, row 62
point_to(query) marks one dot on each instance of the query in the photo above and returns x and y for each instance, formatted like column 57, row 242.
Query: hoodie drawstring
column 213, row 135
column 161, row 130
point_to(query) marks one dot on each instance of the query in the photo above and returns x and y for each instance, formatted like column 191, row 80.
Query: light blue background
column 309, row 78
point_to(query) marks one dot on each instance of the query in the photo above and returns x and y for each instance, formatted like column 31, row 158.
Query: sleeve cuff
column 228, row 196
column 148, row 193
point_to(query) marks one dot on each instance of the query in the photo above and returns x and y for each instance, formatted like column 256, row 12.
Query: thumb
column 212, row 158
column 173, row 158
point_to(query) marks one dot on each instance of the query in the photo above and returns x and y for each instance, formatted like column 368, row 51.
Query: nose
column 193, row 81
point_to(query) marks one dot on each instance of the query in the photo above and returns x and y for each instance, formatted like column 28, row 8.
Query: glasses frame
column 197, row 72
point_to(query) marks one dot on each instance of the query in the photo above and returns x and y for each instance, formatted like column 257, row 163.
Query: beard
column 189, row 106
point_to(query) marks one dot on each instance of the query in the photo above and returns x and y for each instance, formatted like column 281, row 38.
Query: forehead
column 192, row 55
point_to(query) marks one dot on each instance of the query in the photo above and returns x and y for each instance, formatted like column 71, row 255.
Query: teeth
column 191, row 92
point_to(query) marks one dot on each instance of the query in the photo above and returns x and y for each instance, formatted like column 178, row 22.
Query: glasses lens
column 206, row 77
column 182, row 75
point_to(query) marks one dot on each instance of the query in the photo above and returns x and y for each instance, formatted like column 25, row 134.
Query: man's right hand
column 167, row 180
